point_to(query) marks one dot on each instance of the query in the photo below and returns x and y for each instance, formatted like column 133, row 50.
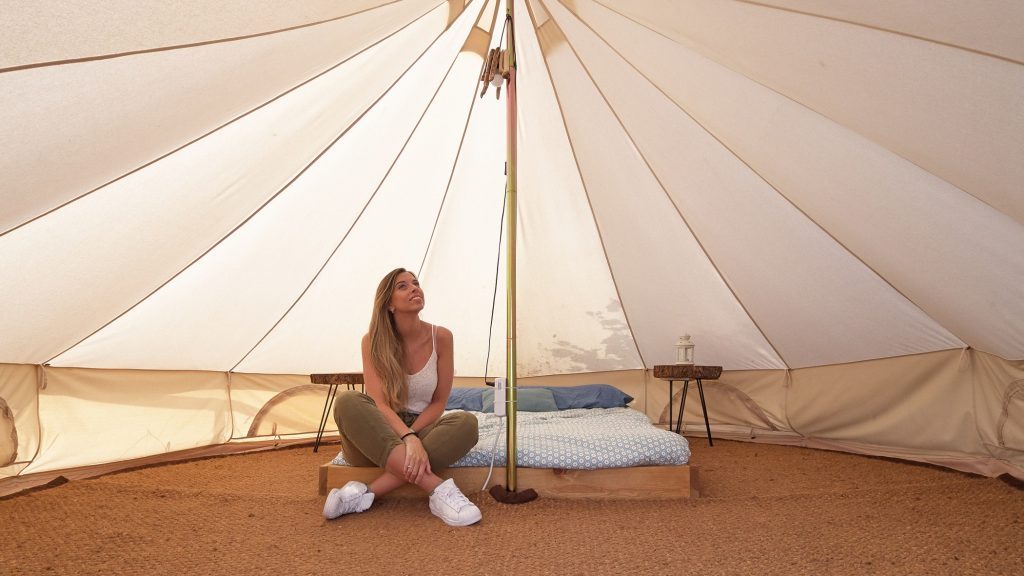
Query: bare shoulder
column 366, row 341
column 444, row 335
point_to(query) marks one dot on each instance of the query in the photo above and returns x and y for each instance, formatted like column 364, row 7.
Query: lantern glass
column 684, row 350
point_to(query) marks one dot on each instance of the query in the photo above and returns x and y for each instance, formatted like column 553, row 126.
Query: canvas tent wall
column 198, row 200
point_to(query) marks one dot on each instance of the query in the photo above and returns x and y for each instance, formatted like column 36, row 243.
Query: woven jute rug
column 764, row 510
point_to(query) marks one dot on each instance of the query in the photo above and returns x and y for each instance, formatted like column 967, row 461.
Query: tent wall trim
column 958, row 408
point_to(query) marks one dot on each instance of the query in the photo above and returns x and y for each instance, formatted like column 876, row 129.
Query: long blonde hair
column 386, row 346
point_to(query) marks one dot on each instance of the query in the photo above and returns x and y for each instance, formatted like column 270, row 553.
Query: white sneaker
column 450, row 505
column 352, row 497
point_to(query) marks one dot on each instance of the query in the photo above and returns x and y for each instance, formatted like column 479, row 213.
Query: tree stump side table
column 687, row 372
column 350, row 379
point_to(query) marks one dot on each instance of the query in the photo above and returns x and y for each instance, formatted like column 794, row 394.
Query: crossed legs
column 367, row 440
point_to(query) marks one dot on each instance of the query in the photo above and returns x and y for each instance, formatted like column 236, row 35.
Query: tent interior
column 198, row 200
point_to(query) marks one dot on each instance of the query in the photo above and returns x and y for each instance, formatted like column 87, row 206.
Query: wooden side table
column 687, row 372
column 350, row 379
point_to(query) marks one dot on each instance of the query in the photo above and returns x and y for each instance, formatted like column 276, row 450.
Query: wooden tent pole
column 510, row 345
column 493, row 66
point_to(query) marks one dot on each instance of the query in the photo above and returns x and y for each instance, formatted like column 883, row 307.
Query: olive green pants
column 367, row 439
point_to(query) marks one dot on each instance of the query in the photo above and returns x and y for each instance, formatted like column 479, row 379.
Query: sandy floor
column 764, row 510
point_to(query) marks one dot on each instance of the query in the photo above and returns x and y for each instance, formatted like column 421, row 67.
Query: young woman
column 398, row 424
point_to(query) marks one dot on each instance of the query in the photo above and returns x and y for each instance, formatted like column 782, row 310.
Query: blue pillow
column 527, row 400
column 589, row 396
column 466, row 399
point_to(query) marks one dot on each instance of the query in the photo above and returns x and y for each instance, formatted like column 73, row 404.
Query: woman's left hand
column 417, row 464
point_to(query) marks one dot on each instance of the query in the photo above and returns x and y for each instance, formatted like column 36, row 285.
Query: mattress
column 577, row 439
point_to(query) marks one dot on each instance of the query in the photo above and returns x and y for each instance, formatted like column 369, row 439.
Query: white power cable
column 500, row 409
column 494, row 454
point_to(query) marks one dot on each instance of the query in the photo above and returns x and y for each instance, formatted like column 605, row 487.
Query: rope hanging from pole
column 494, row 71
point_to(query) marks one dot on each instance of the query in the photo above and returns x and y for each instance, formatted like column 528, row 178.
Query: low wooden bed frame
column 637, row 483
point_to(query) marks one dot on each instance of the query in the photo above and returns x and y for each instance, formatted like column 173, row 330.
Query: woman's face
column 407, row 296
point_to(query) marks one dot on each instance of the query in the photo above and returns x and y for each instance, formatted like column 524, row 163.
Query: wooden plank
column 339, row 378
column 638, row 483
column 687, row 372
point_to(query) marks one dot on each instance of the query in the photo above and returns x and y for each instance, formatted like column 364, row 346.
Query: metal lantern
column 684, row 350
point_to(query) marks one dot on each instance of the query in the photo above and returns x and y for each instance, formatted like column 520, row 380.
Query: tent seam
column 218, row 128
column 458, row 155
column 661, row 185
column 793, row 100
column 172, row 47
column 40, row 385
column 586, row 192
column 231, row 410
column 788, row 385
column 375, row 191
column 879, row 29
column 760, row 176
column 266, row 203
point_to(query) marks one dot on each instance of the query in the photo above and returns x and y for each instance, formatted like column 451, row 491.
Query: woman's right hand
column 417, row 464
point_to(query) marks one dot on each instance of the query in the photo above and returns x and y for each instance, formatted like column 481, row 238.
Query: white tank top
column 423, row 383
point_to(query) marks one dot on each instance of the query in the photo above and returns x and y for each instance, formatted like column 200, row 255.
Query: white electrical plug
column 499, row 396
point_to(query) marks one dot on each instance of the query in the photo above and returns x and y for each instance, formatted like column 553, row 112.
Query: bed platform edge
column 636, row 483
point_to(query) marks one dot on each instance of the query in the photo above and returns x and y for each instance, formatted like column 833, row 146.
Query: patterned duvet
column 581, row 439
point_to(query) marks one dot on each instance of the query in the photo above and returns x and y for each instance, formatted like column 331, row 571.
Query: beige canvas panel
column 956, row 113
column 75, row 127
column 18, row 387
column 990, row 26
column 728, row 401
column 752, row 406
column 488, row 16
column 317, row 335
column 752, row 232
column 759, row 396
column 256, row 401
column 923, row 402
column 292, row 413
column 90, row 417
column 566, row 287
column 10, row 472
column 744, row 405
column 917, row 407
column 8, row 435
column 209, row 317
column 54, row 30
column 999, row 406
column 644, row 236
column 116, row 246
column 843, row 182
column 457, row 269
column 943, row 408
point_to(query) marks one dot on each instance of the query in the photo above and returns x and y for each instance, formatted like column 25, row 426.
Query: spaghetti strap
column 422, row 384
